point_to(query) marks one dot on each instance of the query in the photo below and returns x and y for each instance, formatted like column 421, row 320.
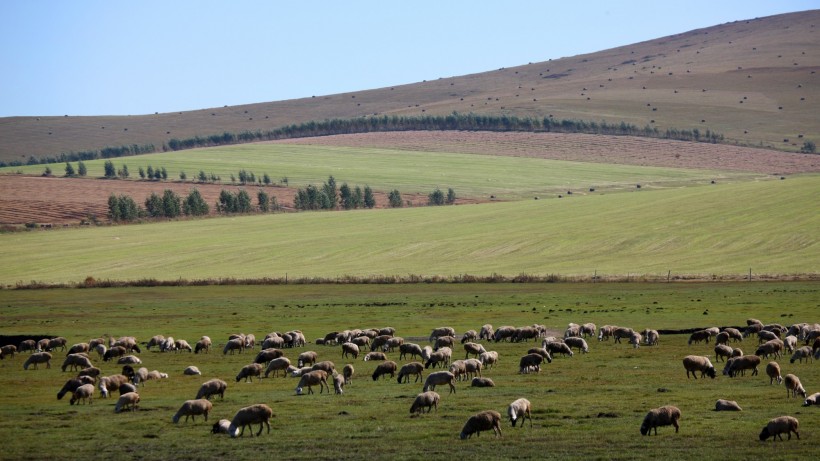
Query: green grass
column 409, row 172
column 768, row 226
column 372, row 417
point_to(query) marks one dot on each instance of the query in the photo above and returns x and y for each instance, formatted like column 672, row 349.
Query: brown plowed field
column 627, row 150
column 67, row 201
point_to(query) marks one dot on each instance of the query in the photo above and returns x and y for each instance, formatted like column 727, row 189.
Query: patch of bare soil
column 626, row 150
column 68, row 201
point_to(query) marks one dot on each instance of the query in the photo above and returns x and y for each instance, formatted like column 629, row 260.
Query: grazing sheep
column 307, row 358
column 361, row 341
column 250, row 341
column 429, row 399
column 778, row 426
column 113, row 352
column 803, row 353
column 486, row 332
column 203, row 345
column 444, row 341
column 192, row 371
column 722, row 338
column 348, row 372
column 128, row 371
column 249, row 371
column 129, row 359
column 793, row 386
column 651, row 337
column 409, row 348
column 110, row 382
column 482, row 421
column 473, row 367
column 70, row 386
column 27, row 345
column 259, row 413
column 221, row 427
column 192, row 408
column 273, row 342
column 276, row 365
column 727, row 405
column 8, row 350
column 482, row 382
column 155, row 341
column 412, row 368
column 765, row 335
column 379, row 342
column 578, row 343
column 211, row 388
column 488, row 359
column 663, row 416
column 182, row 345
column 385, row 368
column 474, row 349
column 556, row 347
column 740, row 364
column 426, row 352
column 338, row 383
column 520, row 408
column 441, row 331
column 698, row 336
column 440, row 377
column 266, row 355
column 350, row 349
column 439, row 358
column 504, row 333
column 298, row 372
column 694, row 363
column 126, row 388
column 469, row 335
column 84, row 393
column 78, row 348
column 773, row 347
column 588, row 330
column 635, row 339
column 813, row 399
column 232, row 345
column 375, row 356
column 790, row 343
column 92, row 372
column 75, row 361
column 37, row 358
column 773, row 370
column 621, row 332
column 573, row 329
column 129, row 399
column 605, row 332
column 54, row 343
column 327, row 366
column 734, row 334
column 722, row 350
column 459, row 369
column 529, row 363
column 313, row 378
column 737, row 352
column 140, row 376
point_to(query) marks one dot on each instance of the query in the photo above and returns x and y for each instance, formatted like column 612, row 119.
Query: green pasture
column 474, row 176
column 589, row 406
column 767, row 226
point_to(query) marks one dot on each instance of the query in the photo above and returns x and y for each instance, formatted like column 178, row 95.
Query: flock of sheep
column 375, row 344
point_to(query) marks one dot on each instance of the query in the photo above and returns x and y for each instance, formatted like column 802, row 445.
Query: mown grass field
column 588, row 406
column 419, row 172
column 769, row 226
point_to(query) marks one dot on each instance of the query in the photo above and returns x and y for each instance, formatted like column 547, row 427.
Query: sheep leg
column 675, row 423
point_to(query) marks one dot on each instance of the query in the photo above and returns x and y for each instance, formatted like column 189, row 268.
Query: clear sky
column 116, row 57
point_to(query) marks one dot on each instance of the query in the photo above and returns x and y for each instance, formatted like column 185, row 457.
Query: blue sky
column 135, row 57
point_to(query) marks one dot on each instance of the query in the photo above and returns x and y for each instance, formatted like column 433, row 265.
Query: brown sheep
column 347, row 372
column 313, row 378
column 427, row 399
column 474, row 349
column 38, row 358
column 694, row 363
column 249, row 371
column 129, row 399
column 211, row 388
column 266, row 355
column 663, row 416
column 440, row 377
column 727, row 405
column 259, row 413
column 192, row 408
column 793, row 386
column 482, row 421
column 778, row 426
column 482, row 382
column 698, row 336
column 412, row 368
column 276, row 365
column 307, row 358
column 773, row 371
column 385, row 368
column 8, row 350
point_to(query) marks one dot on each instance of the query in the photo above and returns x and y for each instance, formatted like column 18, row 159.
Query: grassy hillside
column 589, row 406
column 755, row 81
column 768, row 226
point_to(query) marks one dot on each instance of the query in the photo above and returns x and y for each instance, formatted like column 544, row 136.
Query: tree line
column 105, row 152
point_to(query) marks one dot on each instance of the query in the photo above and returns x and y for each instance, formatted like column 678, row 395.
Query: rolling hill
column 755, row 81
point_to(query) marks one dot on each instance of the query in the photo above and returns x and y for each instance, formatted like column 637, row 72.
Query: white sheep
column 520, row 408
column 71, row 385
column 110, row 382
column 129, row 359
column 182, row 345
column 203, row 345
column 722, row 350
column 440, row 377
column 486, row 332
column 793, row 386
column 130, row 399
column 307, row 358
column 259, row 413
column 803, row 353
column 474, row 349
column 780, row 425
column 651, row 337
column 84, row 393
column 350, row 349
column 276, row 365
column 211, row 388
column 727, row 405
column 813, row 399
column 429, row 399
column 488, row 359
column 578, row 343
column 192, row 408
column 191, row 371
column 232, row 345
column 663, row 416
column 338, row 383
column 482, row 421
column 77, row 360
column 221, row 427
column 348, row 372
column 38, row 358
